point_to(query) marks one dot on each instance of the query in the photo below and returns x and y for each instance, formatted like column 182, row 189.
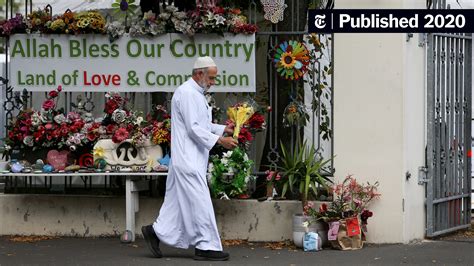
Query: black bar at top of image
column 391, row 20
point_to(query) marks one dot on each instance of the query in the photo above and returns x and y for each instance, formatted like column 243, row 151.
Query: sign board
column 92, row 63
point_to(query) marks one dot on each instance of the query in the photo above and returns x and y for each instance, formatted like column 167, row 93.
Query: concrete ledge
column 86, row 216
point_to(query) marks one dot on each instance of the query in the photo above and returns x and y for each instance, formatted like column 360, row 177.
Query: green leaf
column 285, row 188
column 313, row 186
column 330, row 71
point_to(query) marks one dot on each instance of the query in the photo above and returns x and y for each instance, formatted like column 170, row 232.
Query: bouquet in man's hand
column 239, row 114
column 248, row 118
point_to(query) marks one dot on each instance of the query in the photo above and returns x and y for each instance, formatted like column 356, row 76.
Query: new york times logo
column 320, row 21
column 391, row 20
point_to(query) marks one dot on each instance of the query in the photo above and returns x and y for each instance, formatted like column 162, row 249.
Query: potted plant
column 302, row 170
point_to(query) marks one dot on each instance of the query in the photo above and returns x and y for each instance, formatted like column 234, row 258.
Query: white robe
column 187, row 215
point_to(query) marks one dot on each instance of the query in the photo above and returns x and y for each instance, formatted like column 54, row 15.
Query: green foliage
column 302, row 170
column 236, row 162
column 317, row 77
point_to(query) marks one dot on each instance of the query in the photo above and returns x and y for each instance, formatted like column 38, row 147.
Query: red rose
column 27, row 122
column 78, row 123
column 64, row 130
column 110, row 106
column 55, row 133
column 48, row 105
column 91, row 136
column 245, row 135
column 53, row 94
column 93, row 127
column 256, row 121
column 110, row 128
column 218, row 10
column 38, row 135
column 60, row 88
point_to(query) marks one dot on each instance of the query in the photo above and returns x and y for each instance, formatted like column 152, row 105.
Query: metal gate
column 449, row 94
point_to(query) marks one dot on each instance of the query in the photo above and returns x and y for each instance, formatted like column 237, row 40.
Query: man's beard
column 204, row 84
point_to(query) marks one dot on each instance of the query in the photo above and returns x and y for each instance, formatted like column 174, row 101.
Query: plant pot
column 319, row 227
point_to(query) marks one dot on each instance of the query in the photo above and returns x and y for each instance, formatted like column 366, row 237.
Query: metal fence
column 449, row 102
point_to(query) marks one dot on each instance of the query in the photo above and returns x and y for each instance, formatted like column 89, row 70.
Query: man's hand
column 229, row 129
column 227, row 142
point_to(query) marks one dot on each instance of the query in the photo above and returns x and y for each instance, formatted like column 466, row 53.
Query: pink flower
column 120, row 135
column 278, row 176
column 73, row 116
column 269, row 175
column 48, row 105
column 60, row 88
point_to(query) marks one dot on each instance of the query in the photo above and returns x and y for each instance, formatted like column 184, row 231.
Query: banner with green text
column 93, row 63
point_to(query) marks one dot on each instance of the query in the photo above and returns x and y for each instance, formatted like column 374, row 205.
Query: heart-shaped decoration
column 58, row 159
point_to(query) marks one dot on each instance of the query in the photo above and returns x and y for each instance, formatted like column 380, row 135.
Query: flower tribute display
column 52, row 128
column 204, row 19
column 347, row 215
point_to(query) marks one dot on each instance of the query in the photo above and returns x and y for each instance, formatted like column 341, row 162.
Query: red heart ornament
column 58, row 159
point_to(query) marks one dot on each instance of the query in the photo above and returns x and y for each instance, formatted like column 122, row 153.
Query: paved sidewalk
column 109, row 251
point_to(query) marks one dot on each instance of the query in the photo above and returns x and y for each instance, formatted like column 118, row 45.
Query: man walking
column 187, row 215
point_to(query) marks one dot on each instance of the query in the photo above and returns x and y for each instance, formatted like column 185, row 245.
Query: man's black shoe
column 210, row 255
column 152, row 240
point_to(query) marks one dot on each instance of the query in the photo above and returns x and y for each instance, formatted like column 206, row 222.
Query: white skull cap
column 203, row 62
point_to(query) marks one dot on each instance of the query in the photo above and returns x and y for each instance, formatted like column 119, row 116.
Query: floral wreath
column 291, row 59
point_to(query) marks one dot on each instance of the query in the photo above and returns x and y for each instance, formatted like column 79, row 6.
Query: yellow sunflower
column 287, row 60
